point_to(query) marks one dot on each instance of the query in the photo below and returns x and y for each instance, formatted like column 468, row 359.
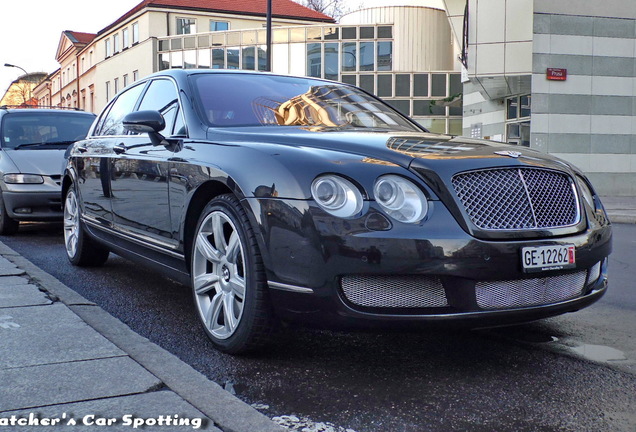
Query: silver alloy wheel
column 218, row 274
column 71, row 224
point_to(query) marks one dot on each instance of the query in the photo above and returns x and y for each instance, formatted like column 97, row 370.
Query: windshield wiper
column 19, row 146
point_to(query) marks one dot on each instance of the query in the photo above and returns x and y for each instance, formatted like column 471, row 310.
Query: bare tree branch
column 333, row 8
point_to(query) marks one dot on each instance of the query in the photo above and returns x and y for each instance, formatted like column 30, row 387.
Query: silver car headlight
column 400, row 198
column 23, row 179
column 337, row 195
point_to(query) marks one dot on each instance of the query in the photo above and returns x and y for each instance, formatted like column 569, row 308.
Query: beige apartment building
column 94, row 67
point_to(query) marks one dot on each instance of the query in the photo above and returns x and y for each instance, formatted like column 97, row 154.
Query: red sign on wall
column 556, row 74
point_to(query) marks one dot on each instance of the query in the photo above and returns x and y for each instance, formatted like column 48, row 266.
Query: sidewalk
column 620, row 209
column 67, row 365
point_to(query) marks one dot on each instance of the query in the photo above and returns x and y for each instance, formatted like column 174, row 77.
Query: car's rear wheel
column 228, row 279
column 8, row 225
column 81, row 250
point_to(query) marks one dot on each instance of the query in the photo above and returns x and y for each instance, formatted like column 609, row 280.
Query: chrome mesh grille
column 529, row 292
column 394, row 291
column 517, row 198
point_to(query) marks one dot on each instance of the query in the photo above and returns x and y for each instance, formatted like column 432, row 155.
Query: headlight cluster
column 23, row 179
column 337, row 196
column 398, row 197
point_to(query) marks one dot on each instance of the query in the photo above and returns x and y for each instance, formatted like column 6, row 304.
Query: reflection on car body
column 299, row 199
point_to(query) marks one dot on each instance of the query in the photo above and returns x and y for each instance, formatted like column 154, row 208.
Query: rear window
column 26, row 128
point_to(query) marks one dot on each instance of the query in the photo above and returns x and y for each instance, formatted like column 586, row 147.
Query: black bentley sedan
column 283, row 198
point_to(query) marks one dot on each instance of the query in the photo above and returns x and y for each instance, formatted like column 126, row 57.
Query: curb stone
column 228, row 413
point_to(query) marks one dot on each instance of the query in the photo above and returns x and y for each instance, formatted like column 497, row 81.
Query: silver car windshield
column 31, row 129
column 272, row 100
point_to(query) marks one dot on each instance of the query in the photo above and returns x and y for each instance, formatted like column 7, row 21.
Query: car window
column 179, row 126
column 162, row 96
column 271, row 100
column 27, row 128
column 124, row 104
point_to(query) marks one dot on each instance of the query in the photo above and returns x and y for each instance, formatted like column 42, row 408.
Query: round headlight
column 337, row 195
column 400, row 198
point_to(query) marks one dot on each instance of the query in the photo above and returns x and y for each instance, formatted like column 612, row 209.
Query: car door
column 94, row 158
column 140, row 200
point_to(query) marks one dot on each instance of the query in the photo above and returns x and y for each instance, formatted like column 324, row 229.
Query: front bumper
column 308, row 254
column 33, row 206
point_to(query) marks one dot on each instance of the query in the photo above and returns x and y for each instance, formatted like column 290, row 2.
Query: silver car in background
column 32, row 146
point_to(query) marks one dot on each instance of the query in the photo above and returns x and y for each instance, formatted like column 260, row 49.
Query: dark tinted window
column 44, row 128
column 254, row 100
column 125, row 103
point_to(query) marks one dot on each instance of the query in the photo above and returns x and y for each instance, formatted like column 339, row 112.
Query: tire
column 8, row 225
column 228, row 279
column 81, row 250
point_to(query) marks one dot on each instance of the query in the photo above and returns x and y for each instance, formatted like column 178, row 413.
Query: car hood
column 41, row 161
column 412, row 150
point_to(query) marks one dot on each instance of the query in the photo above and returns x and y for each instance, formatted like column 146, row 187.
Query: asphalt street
column 571, row 373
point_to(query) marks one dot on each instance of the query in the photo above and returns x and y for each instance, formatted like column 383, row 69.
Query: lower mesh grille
column 594, row 274
column 394, row 291
column 529, row 292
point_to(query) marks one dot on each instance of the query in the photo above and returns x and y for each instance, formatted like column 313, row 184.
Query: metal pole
column 10, row 65
column 268, row 65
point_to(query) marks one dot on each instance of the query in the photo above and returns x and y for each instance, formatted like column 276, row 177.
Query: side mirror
column 150, row 122
column 144, row 122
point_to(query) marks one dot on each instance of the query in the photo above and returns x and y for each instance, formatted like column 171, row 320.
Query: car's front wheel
column 81, row 250
column 228, row 278
column 8, row 225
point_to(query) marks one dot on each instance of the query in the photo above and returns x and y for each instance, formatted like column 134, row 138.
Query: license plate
column 543, row 258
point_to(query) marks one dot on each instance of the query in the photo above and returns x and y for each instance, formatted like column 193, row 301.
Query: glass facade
column 518, row 111
column 361, row 55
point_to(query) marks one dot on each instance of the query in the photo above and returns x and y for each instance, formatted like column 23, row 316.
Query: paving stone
column 13, row 280
column 37, row 335
column 22, row 295
column 73, row 382
column 11, row 271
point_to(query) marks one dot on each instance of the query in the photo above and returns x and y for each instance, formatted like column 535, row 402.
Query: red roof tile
column 82, row 38
column 280, row 9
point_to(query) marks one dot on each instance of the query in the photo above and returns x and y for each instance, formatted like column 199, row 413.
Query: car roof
column 4, row 110
column 180, row 74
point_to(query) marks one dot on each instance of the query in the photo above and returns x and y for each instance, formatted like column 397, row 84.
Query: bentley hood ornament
column 512, row 154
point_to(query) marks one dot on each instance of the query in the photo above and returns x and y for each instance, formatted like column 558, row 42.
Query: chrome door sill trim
column 93, row 223
column 292, row 288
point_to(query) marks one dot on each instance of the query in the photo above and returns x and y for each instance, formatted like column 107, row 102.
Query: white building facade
column 559, row 77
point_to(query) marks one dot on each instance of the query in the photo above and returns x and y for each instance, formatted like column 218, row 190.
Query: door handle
column 119, row 148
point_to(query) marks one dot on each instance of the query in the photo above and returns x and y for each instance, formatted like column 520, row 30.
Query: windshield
column 271, row 100
column 26, row 129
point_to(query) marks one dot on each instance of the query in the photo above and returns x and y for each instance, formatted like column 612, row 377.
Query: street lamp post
column 15, row 66
column 25, row 74
column 269, row 36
